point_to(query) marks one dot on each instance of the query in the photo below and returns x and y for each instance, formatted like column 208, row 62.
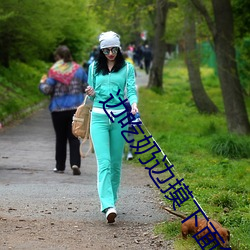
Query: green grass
column 214, row 164
column 231, row 146
column 19, row 87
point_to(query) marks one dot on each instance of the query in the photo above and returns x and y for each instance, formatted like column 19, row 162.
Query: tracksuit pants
column 108, row 145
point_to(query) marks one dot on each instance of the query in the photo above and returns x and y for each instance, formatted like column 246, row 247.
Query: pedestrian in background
column 147, row 54
column 107, row 75
column 92, row 57
column 65, row 84
column 138, row 53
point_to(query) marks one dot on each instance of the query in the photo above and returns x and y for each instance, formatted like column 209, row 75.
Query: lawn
column 213, row 163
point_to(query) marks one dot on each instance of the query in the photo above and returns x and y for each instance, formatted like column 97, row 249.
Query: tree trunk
column 201, row 99
column 235, row 109
column 159, row 47
column 223, row 38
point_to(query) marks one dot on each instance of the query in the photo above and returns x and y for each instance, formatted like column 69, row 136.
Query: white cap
column 109, row 39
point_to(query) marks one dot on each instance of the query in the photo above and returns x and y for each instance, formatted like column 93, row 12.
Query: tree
column 201, row 99
column 242, row 33
column 28, row 33
column 127, row 17
column 223, row 38
column 159, row 46
column 23, row 33
column 241, row 17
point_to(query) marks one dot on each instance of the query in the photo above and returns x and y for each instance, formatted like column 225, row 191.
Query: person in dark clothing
column 93, row 55
column 65, row 83
column 138, row 56
column 147, row 54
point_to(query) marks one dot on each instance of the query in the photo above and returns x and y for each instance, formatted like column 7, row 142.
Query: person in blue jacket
column 65, row 83
column 109, row 74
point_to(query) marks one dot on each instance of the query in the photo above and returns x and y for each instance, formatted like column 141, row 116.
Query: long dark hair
column 101, row 64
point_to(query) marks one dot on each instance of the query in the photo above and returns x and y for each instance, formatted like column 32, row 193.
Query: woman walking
column 65, row 84
column 109, row 74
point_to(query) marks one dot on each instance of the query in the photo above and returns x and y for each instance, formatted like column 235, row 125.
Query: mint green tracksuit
column 106, row 136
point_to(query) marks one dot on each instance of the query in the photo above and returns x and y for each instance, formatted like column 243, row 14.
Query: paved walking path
column 40, row 209
column 141, row 78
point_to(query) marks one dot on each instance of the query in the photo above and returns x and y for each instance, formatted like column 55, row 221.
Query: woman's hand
column 90, row 91
column 134, row 108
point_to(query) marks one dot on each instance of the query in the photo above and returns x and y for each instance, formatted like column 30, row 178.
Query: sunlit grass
column 220, row 182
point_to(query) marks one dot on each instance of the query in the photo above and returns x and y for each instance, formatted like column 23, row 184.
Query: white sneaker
column 58, row 171
column 129, row 156
column 111, row 214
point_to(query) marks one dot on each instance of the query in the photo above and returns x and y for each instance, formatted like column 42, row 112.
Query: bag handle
column 85, row 139
column 85, row 99
column 91, row 148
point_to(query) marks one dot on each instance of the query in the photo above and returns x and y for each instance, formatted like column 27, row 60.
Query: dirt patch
column 50, row 234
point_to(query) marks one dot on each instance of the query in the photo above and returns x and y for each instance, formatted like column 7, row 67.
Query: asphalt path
column 30, row 190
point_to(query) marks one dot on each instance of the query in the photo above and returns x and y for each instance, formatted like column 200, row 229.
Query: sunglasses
column 106, row 51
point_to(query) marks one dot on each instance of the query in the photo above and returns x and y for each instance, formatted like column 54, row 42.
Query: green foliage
column 128, row 18
column 175, row 25
column 220, row 184
column 241, row 17
column 243, row 59
column 242, row 37
column 29, row 33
